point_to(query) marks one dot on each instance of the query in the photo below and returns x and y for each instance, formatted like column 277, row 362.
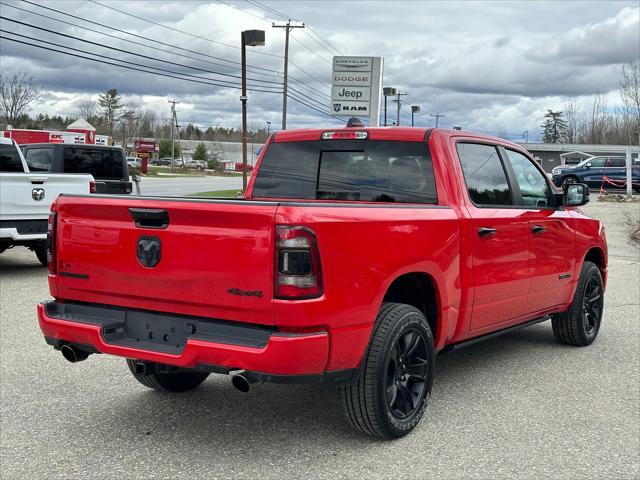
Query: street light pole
column 387, row 91
column 252, row 38
column 414, row 109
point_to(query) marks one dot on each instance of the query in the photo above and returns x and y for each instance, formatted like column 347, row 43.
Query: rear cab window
column 348, row 170
column 39, row 159
column 102, row 163
column 10, row 159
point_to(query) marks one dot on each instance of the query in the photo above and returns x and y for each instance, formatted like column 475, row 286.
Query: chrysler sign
column 356, row 84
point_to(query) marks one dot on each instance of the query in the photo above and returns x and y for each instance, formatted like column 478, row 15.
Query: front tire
column 175, row 382
column 569, row 180
column 579, row 326
column 394, row 383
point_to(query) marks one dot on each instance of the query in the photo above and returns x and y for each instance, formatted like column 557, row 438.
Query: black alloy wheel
column 569, row 180
column 391, row 392
column 407, row 374
column 592, row 306
column 580, row 324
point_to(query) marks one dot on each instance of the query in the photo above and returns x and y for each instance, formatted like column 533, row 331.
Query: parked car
column 355, row 257
column 199, row 164
column 107, row 165
column 25, row 199
column 164, row 161
column 134, row 162
column 596, row 172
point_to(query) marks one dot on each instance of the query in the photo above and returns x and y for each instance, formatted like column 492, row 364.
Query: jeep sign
column 356, row 84
column 351, row 93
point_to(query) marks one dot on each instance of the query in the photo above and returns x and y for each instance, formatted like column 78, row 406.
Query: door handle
column 486, row 232
column 536, row 229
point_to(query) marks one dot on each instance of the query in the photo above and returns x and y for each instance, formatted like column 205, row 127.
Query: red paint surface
column 483, row 284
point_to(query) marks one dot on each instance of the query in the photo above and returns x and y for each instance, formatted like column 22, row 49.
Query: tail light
column 298, row 274
column 92, row 187
column 51, row 243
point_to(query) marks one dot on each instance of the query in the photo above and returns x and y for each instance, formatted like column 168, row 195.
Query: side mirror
column 587, row 166
column 575, row 195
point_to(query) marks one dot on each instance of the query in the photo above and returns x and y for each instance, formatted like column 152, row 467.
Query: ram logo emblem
column 149, row 250
column 37, row 194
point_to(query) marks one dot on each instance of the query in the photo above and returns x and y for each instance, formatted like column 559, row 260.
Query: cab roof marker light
column 345, row 135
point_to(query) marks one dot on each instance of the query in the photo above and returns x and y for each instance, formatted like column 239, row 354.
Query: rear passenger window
column 10, row 159
column 351, row 170
column 533, row 186
column 39, row 159
column 484, row 174
column 617, row 162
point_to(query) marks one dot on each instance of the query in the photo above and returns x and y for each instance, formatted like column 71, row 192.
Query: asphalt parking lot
column 181, row 186
column 520, row 406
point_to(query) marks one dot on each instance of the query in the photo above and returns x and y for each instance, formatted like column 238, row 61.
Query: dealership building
column 551, row 155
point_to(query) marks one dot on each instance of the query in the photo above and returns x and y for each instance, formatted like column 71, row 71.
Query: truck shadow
column 16, row 265
column 216, row 418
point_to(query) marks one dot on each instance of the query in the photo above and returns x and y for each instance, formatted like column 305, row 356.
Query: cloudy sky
column 490, row 66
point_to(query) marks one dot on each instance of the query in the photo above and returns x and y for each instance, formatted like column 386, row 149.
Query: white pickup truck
column 26, row 197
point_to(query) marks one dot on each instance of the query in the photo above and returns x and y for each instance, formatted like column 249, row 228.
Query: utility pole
column 174, row 124
column 287, row 28
column 438, row 115
column 398, row 102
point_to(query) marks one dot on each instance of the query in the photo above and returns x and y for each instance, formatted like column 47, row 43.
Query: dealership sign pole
column 356, row 87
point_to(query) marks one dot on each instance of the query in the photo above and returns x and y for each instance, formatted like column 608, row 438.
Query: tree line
column 600, row 123
column 108, row 113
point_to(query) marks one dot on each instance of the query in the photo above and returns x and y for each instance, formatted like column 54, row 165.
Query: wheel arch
column 420, row 290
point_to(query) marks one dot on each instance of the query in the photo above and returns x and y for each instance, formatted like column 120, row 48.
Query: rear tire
column 579, row 326
column 41, row 253
column 394, row 382
column 177, row 382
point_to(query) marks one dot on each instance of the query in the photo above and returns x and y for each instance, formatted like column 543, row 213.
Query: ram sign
column 356, row 87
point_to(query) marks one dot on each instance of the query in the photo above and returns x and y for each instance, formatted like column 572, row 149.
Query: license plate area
column 158, row 332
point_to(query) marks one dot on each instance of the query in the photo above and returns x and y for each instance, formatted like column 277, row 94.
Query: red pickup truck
column 356, row 255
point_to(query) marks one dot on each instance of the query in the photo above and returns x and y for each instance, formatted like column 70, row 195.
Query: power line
column 140, row 36
column 154, row 47
column 307, row 87
column 132, row 53
column 267, row 9
column 103, row 61
column 178, row 30
column 291, row 62
column 293, row 97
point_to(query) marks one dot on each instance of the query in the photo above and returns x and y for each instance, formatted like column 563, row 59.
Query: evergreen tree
column 110, row 103
column 200, row 153
column 554, row 128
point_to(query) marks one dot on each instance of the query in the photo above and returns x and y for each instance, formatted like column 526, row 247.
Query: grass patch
column 219, row 194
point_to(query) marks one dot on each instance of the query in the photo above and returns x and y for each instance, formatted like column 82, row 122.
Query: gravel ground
column 520, row 406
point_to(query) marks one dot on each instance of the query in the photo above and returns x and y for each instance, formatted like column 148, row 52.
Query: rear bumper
column 204, row 344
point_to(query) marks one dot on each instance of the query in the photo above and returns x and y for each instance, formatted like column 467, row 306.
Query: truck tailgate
column 215, row 256
column 29, row 195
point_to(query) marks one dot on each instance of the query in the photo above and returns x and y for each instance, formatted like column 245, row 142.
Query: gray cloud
column 490, row 65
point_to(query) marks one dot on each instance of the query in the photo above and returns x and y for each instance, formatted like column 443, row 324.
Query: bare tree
column 572, row 118
column 630, row 88
column 16, row 93
column 88, row 109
